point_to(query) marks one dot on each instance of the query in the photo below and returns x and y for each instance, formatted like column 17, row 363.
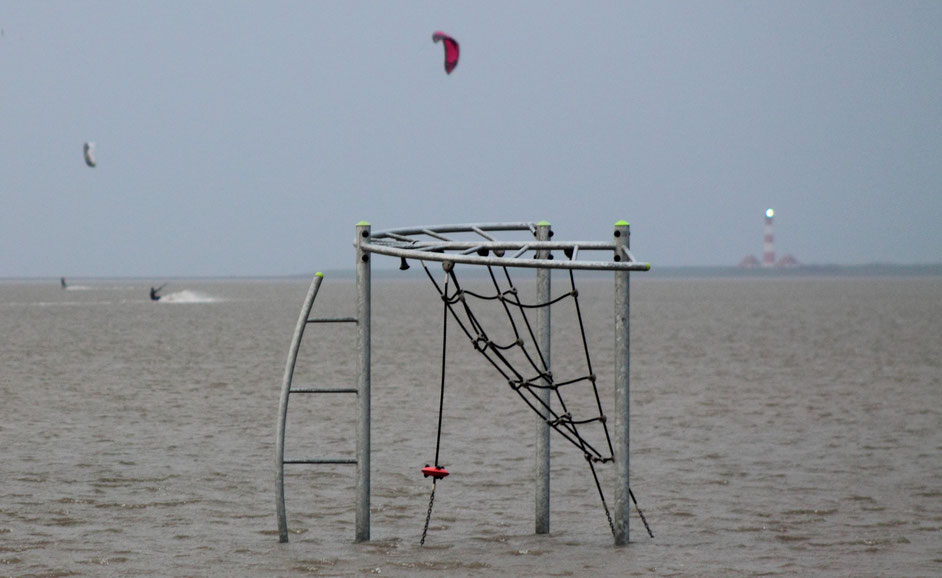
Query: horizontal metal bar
column 324, row 390
column 322, row 461
column 467, row 228
column 495, row 245
column 507, row 262
column 405, row 243
column 333, row 320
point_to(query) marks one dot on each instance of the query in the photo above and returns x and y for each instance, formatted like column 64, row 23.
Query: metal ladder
column 287, row 390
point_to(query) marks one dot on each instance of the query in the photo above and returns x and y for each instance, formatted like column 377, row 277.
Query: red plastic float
column 435, row 472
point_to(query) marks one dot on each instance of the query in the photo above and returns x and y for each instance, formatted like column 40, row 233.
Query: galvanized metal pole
column 283, row 406
column 543, row 336
column 622, row 401
column 363, row 385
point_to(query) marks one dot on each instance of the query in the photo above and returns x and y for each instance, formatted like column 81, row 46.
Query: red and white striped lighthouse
column 768, row 245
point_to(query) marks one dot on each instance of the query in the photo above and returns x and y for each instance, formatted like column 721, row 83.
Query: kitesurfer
column 155, row 292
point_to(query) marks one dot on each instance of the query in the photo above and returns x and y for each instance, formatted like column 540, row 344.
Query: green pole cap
column 363, row 224
column 621, row 224
column 543, row 223
column 318, row 274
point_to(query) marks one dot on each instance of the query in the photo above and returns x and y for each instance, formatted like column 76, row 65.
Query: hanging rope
column 437, row 472
column 441, row 395
column 537, row 377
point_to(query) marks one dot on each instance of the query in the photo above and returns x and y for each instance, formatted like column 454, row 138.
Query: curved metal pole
column 283, row 406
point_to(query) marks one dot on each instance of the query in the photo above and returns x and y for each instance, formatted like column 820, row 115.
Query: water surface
column 786, row 426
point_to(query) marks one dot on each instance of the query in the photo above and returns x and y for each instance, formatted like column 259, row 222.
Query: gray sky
column 247, row 138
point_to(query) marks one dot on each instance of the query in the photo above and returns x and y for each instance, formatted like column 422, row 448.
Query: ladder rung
column 323, row 461
column 333, row 320
column 323, row 390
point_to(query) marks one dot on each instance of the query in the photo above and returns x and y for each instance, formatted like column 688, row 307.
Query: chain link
column 640, row 513
column 428, row 515
column 609, row 516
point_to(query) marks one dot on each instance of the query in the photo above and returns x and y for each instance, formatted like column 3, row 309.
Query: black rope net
column 517, row 356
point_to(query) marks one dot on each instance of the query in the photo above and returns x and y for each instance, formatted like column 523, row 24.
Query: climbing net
column 520, row 360
column 517, row 355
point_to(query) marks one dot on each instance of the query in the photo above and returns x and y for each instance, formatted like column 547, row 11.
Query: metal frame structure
column 472, row 244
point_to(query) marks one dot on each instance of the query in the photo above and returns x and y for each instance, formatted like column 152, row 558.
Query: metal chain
column 609, row 516
column 428, row 515
column 640, row 513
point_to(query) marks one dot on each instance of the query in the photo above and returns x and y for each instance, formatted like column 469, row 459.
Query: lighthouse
column 768, row 245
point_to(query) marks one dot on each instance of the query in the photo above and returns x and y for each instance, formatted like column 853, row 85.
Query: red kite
column 451, row 50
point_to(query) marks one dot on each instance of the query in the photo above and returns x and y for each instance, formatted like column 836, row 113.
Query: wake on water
column 187, row 296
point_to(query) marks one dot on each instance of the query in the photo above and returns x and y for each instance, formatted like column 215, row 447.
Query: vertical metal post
column 622, row 401
column 543, row 334
column 363, row 385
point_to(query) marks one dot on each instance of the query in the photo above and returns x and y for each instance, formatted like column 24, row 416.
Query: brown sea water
column 780, row 426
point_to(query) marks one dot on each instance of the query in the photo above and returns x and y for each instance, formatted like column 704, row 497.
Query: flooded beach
column 779, row 426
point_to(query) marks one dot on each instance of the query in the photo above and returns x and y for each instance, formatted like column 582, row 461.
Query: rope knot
column 564, row 418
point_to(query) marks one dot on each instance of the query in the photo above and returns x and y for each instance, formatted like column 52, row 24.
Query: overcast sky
column 248, row 138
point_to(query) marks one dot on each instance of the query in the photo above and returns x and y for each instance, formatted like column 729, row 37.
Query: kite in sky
column 90, row 154
column 451, row 50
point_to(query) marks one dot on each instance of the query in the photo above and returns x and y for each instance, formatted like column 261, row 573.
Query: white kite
column 90, row 154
